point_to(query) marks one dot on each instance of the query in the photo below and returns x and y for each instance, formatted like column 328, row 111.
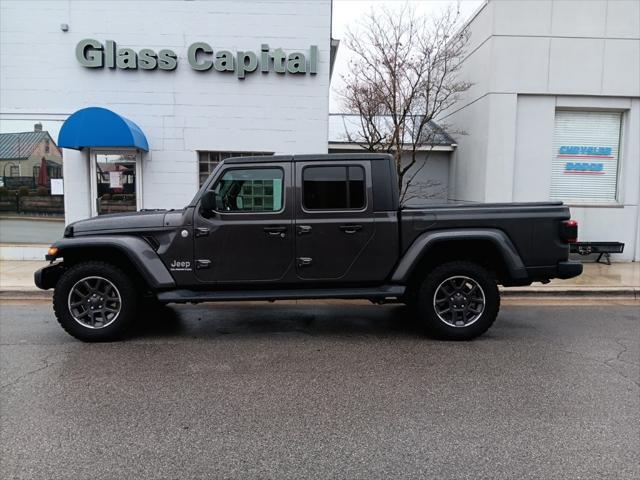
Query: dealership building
column 554, row 112
column 144, row 98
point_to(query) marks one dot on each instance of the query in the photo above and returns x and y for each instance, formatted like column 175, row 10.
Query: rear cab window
column 333, row 187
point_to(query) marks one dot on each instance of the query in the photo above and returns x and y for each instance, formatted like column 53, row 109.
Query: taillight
column 569, row 231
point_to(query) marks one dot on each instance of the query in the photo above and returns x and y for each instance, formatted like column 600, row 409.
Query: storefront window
column 207, row 161
column 116, row 182
column 31, row 188
column 585, row 161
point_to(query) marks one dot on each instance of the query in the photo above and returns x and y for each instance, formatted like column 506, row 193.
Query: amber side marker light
column 51, row 253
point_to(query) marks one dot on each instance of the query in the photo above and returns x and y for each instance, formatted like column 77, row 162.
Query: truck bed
column 533, row 227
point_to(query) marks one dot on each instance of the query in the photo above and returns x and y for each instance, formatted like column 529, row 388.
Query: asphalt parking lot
column 322, row 391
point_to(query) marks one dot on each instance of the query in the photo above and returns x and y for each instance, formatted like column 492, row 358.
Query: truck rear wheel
column 95, row 301
column 458, row 301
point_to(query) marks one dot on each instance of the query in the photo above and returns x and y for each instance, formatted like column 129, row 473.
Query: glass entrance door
column 115, row 182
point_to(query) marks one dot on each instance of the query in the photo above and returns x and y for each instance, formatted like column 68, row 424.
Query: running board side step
column 373, row 293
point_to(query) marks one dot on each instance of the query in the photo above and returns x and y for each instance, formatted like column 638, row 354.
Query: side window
column 250, row 190
column 333, row 188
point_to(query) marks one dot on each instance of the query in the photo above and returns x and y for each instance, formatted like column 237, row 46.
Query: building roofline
column 473, row 16
column 48, row 135
column 405, row 147
column 445, row 138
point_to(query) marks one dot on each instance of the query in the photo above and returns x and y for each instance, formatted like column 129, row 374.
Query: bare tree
column 403, row 75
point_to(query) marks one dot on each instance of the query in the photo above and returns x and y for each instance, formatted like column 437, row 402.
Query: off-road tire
column 128, row 295
column 426, row 311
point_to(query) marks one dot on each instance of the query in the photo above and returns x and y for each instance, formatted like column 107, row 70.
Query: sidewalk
column 619, row 279
column 597, row 279
column 17, row 275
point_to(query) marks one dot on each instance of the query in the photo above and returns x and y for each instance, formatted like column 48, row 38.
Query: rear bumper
column 563, row 270
column 48, row 276
column 569, row 269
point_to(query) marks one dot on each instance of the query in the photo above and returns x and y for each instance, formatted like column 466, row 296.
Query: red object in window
column 43, row 175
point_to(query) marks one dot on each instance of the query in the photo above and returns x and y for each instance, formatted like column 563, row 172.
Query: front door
column 115, row 182
column 248, row 237
column 334, row 220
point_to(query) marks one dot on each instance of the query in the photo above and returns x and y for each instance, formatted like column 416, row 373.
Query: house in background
column 21, row 156
column 429, row 177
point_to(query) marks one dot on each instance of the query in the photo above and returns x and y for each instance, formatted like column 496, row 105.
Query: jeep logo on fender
column 179, row 266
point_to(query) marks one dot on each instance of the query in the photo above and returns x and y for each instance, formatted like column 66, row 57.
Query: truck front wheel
column 95, row 301
column 458, row 301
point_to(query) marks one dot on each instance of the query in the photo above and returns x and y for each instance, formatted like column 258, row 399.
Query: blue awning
column 100, row 127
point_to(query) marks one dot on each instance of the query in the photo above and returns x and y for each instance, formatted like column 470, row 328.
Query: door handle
column 276, row 231
column 202, row 232
column 202, row 264
column 350, row 229
column 302, row 229
column 304, row 261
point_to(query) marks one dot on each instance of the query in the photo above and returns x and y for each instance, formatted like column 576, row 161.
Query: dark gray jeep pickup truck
column 306, row 227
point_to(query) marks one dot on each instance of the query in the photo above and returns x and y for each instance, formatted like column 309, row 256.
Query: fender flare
column 421, row 246
column 144, row 259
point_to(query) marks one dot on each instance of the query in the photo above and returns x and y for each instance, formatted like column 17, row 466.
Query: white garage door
column 585, row 156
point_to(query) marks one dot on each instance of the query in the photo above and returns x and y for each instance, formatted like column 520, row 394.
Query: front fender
column 145, row 260
column 421, row 246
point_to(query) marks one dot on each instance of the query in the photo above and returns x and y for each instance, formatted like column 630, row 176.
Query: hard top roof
column 309, row 158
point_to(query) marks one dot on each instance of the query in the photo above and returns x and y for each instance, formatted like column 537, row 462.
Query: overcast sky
column 346, row 14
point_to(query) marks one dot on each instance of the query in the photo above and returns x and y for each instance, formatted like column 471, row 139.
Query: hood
column 121, row 222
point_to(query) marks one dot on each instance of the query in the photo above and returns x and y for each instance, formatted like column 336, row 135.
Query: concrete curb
column 618, row 292
column 32, row 217
column 25, row 294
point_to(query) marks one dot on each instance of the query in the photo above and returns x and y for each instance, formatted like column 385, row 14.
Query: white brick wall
column 180, row 111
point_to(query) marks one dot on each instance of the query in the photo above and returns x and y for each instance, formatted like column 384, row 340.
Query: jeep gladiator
column 307, row 227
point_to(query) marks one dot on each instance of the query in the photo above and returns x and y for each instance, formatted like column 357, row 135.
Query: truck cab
column 272, row 220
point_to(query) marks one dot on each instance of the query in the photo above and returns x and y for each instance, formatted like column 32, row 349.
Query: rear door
column 334, row 220
column 249, row 237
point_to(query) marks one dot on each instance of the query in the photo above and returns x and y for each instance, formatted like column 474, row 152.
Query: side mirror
column 208, row 202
